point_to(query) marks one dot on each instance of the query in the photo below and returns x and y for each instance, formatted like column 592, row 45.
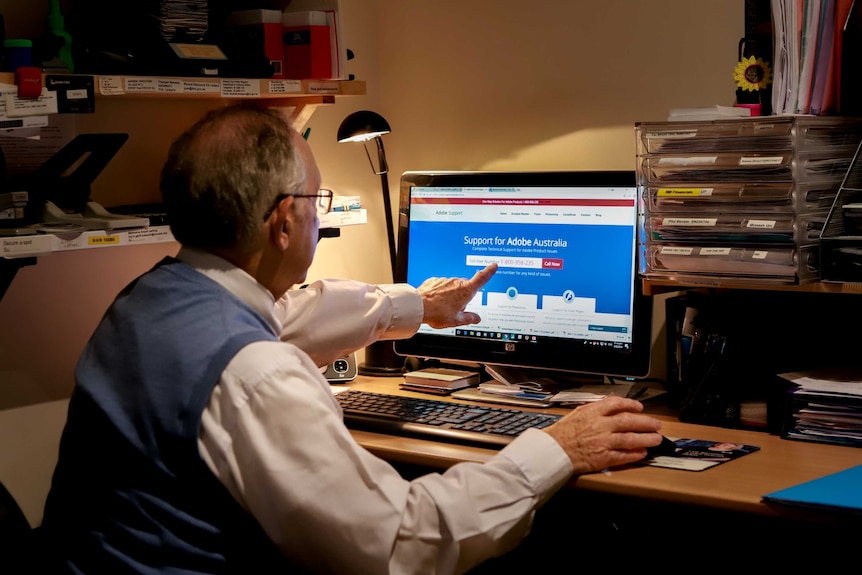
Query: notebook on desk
column 837, row 491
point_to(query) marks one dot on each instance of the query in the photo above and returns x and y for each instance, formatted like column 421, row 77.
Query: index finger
column 482, row 276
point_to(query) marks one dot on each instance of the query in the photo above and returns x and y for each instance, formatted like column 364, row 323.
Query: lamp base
column 382, row 361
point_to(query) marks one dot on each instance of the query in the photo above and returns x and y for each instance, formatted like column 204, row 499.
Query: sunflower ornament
column 752, row 74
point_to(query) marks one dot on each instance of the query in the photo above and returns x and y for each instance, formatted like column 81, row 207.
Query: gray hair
column 225, row 172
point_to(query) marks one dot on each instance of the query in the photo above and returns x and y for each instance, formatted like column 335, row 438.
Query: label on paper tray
column 761, row 161
column 675, row 251
column 672, row 134
column 103, row 240
column 760, row 224
column 683, row 192
column 715, row 251
column 27, row 245
column 691, row 161
column 760, row 254
column 706, row 222
column 149, row 235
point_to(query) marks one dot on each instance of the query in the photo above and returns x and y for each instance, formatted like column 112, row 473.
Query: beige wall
column 465, row 84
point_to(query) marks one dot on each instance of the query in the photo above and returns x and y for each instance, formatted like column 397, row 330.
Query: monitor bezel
column 594, row 360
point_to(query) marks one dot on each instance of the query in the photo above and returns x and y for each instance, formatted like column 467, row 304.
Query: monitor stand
column 545, row 378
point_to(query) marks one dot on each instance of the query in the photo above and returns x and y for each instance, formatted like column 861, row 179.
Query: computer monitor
column 566, row 296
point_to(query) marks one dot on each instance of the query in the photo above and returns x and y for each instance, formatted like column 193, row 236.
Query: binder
column 837, row 491
column 307, row 48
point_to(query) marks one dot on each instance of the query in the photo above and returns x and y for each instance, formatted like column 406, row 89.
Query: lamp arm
column 383, row 167
column 387, row 205
column 383, row 170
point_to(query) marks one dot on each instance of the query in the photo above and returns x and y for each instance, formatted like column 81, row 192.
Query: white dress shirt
column 273, row 434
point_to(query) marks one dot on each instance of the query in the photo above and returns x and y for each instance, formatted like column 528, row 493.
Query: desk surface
column 737, row 485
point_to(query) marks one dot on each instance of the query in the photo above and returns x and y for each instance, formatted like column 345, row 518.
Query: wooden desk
column 736, row 486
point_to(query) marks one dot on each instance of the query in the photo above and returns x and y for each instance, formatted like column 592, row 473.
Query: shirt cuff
column 407, row 310
column 541, row 459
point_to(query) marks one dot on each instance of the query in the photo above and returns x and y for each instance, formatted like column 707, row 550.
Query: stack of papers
column 707, row 113
column 826, row 406
column 808, row 40
column 578, row 395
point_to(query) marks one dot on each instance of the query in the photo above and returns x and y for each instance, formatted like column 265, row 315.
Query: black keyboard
column 492, row 427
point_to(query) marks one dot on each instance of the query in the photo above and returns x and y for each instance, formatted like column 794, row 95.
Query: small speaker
column 341, row 370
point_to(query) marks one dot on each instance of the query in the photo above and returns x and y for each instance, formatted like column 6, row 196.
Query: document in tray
column 700, row 454
column 836, row 382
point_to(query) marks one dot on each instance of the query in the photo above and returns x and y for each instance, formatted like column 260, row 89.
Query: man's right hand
column 606, row 433
column 444, row 299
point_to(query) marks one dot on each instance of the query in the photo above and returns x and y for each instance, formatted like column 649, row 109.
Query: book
column 307, row 46
column 442, row 377
column 432, row 389
column 263, row 30
column 836, row 491
column 338, row 52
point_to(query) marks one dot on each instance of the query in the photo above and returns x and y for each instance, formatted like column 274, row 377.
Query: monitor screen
column 566, row 295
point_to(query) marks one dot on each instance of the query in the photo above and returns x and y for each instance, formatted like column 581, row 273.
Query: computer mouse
column 666, row 447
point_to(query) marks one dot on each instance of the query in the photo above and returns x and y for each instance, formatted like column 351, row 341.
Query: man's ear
column 281, row 226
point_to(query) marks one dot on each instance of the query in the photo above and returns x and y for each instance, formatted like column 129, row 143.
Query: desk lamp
column 364, row 126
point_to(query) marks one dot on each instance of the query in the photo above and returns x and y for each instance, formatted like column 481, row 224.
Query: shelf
column 654, row 287
column 28, row 246
column 300, row 96
column 170, row 87
column 133, row 87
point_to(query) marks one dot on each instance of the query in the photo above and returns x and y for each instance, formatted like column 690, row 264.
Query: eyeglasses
column 323, row 203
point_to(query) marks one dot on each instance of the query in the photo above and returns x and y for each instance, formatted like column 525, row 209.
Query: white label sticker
column 284, row 86
column 240, row 88
column 760, row 224
column 111, row 85
column 761, row 161
column 689, row 161
column 676, row 134
column 675, row 251
column 706, row 222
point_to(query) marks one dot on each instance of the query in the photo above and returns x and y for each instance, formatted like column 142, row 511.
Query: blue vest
column 130, row 493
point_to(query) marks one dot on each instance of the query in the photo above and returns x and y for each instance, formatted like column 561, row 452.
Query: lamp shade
column 361, row 126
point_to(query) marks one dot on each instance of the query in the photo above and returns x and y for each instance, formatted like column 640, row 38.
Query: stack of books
column 439, row 380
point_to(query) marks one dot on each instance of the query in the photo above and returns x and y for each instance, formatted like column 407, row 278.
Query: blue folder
column 838, row 491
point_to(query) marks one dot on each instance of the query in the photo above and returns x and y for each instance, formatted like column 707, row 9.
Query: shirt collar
column 237, row 281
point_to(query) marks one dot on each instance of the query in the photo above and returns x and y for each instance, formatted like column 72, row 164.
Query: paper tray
column 736, row 228
column 748, row 167
column 804, row 133
column 788, row 264
column 740, row 197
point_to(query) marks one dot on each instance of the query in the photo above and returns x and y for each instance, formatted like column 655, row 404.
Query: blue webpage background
column 597, row 260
